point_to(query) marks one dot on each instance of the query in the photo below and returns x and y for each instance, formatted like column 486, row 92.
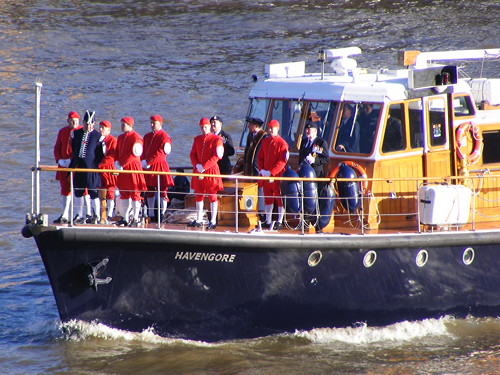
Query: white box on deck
column 486, row 89
column 444, row 204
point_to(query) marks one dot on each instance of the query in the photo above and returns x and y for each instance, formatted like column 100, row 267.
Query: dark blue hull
column 218, row 286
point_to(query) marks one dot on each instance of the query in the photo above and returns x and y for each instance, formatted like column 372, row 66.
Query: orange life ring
column 359, row 169
column 473, row 129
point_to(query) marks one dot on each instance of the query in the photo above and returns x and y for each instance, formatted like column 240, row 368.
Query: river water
column 185, row 60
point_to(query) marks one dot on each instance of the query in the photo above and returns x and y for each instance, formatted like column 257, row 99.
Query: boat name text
column 210, row 257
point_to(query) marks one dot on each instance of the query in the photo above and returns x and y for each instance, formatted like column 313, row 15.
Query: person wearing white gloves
column 157, row 145
column 63, row 152
column 271, row 161
column 313, row 149
column 128, row 157
column 207, row 150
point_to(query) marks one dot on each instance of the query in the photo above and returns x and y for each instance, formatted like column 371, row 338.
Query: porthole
column 369, row 258
column 468, row 256
column 422, row 258
column 314, row 258
column 248, row 202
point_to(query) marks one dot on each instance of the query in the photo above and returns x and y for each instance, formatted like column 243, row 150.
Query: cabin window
column 257, row 109
column 348, row 132
column 491, row 147
column 322, row 113
column 395, row 134
column 367, row 116
column 287, row 112
column 437, row 122
column 415, row 119
column 462, row 106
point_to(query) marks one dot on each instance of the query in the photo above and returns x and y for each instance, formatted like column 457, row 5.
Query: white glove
column 144, row 164
column 64, row 162
column 200, row 169
column 265, row 173
column 310, row 159
column 118, row 166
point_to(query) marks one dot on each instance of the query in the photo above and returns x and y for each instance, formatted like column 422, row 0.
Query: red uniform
column 108, row 180
column 128, row 157
column 272, row 157
column 155, row 156
column 64, row 150
column 207, row 150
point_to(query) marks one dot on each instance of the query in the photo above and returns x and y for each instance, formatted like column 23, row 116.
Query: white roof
column 364, row 87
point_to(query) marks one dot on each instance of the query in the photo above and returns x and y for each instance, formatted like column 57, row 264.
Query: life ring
column 473, row 129
column 358, row 168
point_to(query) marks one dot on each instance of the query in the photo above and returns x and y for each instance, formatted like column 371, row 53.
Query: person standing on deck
column 313, row 149
column 107, row 161
column 84, row 143
column 255, row 136
column 207, row 150
column 157, row 145
column 272, row 159
column 224, row 163
column 63, row 152
column 128, row 157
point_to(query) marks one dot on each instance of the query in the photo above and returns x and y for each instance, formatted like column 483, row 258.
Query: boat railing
column 377, row 204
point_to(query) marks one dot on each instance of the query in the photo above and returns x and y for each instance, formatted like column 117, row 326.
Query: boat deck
column 308, row 230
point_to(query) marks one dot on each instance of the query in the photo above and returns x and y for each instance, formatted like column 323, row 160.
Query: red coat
column 156, row 157
column 204, row 152
column 273, row 156
column 129, row 161
column 63, row 148
column 108, row 162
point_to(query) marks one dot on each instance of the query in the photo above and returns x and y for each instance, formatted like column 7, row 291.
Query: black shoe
column 265, row 226
column 211, row 226
column 78, row 220
column 94, row 220
column 61, row 220
column 194, row 224
column 122, row 223
column 278, row 226
column 134, row 224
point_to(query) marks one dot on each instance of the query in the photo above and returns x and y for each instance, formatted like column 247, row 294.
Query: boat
column 413, row 231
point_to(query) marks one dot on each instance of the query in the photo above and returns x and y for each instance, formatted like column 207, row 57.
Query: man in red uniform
column 128, row 157
column 272, row 159
column 207, row 150
column 157, row 145
column 108, row 180
column 63, row 152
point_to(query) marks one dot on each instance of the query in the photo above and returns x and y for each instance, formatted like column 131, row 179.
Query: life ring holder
column 358, row 168
column 473, row 129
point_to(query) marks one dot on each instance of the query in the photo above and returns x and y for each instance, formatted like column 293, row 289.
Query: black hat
column 89, row 116
column 216, row 118
column 255, row 120
column 310, row 124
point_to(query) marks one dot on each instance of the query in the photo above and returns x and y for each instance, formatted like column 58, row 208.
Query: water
column 186, row 60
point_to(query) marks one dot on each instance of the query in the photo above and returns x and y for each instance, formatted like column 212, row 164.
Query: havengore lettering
column 208, row 257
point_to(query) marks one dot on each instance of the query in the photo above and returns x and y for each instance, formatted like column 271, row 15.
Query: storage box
column 444, row 204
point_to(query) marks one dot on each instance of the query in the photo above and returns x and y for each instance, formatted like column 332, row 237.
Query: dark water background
column 186, row 60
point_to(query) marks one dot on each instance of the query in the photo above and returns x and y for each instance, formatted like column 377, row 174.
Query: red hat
column 273, row 124
column 128, row 121
column 156, row 118
column 204, row 121
column 73, row 114
column 105, row 123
